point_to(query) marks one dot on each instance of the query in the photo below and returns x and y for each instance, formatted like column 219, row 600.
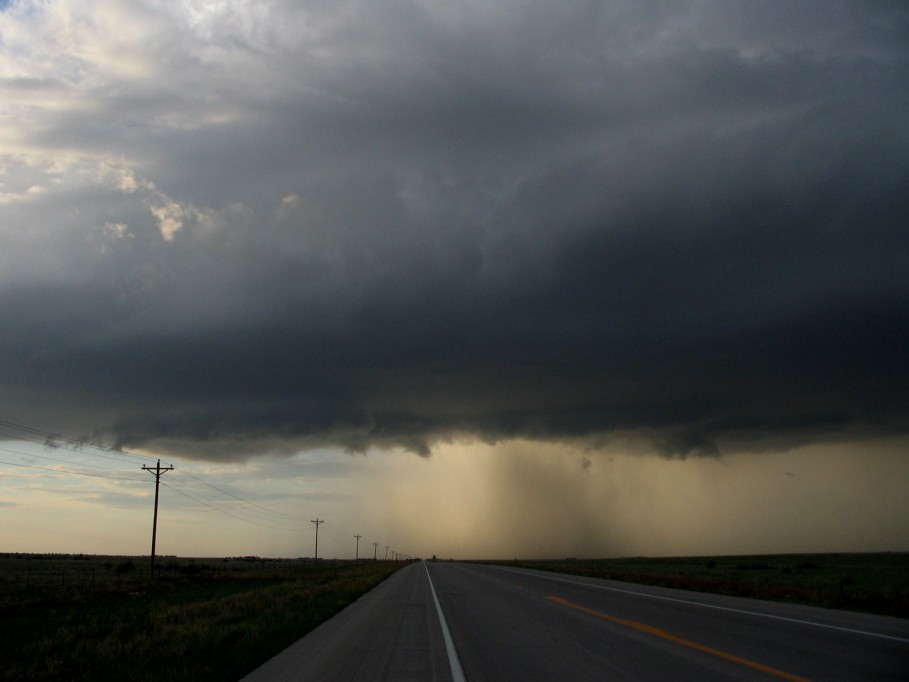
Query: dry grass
column 873, row 583
column 216, row 622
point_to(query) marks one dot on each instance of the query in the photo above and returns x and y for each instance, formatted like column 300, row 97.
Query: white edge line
column 457, row 672
column 542, row 574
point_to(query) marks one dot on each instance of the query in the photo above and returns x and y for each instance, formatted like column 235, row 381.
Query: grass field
column 874, row 583
column 100, row 618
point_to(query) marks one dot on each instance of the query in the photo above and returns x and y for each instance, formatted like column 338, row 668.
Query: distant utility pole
column 386, row 552
column 156, row 471
column 375, row 550
column 318, row 522
column 357, row 555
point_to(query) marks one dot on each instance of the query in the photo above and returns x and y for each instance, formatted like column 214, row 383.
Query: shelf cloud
column 243, row 228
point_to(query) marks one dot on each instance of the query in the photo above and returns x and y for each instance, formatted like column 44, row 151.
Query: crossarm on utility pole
column 157, row 470
column 317, row 522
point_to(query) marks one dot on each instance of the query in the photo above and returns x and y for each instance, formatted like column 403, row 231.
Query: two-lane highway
column 451, row 621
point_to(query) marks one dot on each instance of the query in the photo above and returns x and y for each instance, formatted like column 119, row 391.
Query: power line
column 222, row 511
column 142, row 480
column 187, row 495
column 118, row 478
column 69, row 471
column 55, row 440
column 50, row 459
column 197, row 489
column 56, row 446
column 50, row 440
column 241, row 511
column 244, row 501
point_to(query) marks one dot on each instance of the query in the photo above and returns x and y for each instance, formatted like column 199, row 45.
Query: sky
column 466, row 278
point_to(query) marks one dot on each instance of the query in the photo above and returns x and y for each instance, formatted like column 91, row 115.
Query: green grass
column 201, row 620
column 873, row 583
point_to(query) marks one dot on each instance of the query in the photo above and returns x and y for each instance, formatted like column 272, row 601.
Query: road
column 450, row 622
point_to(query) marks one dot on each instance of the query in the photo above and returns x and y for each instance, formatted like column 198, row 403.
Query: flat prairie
column 99, row 618
column 81, row 617
column 873, row 583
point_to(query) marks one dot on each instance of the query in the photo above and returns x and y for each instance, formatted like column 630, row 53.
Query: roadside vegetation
column 873, row 583
column 99, row 618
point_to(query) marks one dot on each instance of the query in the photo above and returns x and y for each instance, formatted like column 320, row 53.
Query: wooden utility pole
column 375, row 551
column 156, row 471
column 318, row 522
column 357, row 555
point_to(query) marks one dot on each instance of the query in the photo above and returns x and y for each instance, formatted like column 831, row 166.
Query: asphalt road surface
column 451, row 621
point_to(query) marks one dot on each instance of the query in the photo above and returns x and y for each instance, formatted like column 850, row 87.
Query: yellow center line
column 642, row 627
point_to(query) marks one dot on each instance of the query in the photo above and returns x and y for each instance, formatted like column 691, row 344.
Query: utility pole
column 357, row 555
column 375, row 550
column 156, row 471
column 318, row 522
column 386, row 552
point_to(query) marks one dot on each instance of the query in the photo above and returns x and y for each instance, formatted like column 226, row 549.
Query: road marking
column 457, row 672
column 714, row 606
column 649, row 629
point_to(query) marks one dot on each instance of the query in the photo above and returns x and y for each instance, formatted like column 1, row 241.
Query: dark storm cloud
column 410, row 223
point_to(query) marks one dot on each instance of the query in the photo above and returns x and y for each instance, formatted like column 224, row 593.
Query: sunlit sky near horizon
column 522, row 499
column 474, row 279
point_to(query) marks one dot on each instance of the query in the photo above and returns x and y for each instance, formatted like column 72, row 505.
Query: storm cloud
column 246, row 227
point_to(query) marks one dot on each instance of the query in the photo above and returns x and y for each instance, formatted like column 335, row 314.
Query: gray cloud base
column 419, row 225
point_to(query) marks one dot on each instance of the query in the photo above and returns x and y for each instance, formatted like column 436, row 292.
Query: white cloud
column 118, row 175
column 116, row 231
column 170, row 217
column 80, row 42
column 112, row 233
